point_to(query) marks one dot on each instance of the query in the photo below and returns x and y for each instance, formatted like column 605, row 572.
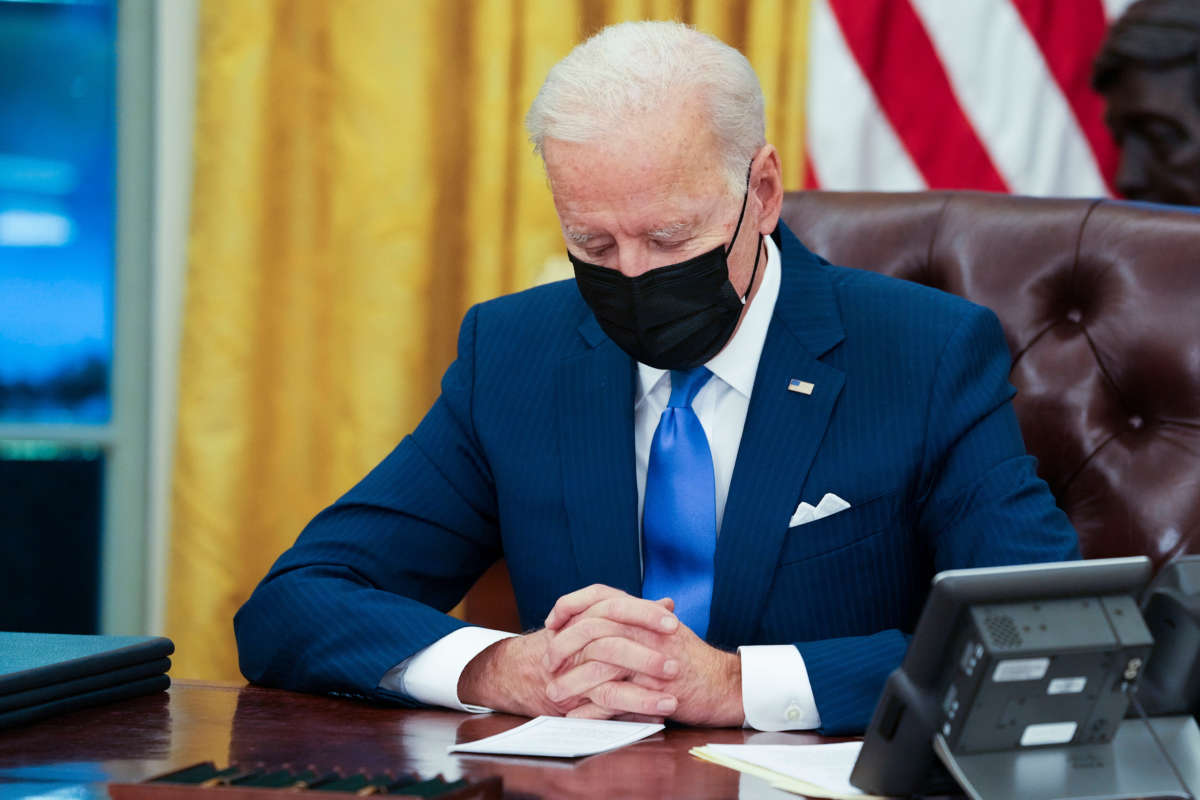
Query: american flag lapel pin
column 799, row 386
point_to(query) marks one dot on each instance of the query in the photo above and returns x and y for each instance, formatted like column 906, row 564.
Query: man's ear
column 766, row 184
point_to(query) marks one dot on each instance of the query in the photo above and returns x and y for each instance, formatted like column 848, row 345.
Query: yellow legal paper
column 815, row 770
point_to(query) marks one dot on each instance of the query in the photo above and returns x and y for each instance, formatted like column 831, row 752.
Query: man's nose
column 633, row 260
column 1131, row 178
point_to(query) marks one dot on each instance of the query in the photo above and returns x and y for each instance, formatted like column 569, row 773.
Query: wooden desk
column 75, row 755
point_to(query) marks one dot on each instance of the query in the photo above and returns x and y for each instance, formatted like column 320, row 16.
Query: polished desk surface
column 75, row 755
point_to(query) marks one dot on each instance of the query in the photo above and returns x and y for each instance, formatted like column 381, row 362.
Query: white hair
column 636, row 68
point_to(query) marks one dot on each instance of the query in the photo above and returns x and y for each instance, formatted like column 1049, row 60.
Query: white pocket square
column 805, row 513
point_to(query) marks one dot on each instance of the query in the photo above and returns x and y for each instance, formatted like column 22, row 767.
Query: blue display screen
column 57, row 218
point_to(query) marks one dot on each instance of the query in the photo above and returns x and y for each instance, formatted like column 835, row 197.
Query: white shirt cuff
column 776, row 694
column 431, row 675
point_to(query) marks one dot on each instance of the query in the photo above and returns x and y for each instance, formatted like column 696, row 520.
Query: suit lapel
column 779, row 442
column 595, row 423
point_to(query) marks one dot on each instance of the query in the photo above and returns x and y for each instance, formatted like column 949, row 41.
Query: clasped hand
column 612, row 655
column 605, row 654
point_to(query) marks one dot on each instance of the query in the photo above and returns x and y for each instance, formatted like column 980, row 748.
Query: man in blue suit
column 722, row 471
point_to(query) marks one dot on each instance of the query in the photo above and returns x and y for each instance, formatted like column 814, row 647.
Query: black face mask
column 673, row 317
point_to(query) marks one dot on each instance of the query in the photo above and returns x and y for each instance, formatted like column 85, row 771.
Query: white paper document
column 561, row 737
column 814, row 770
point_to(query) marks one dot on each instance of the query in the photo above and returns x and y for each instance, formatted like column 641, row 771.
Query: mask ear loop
column 745, row 197
column 738, row 229
column 754, row 272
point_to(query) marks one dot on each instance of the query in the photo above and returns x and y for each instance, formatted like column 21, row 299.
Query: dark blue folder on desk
column 43, row 674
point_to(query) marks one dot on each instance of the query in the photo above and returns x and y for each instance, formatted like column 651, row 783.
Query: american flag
column 905, row 95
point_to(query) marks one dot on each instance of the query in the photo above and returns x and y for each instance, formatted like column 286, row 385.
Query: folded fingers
column 569, row 605
column 623, row 697
column 605, row 601
column 599, row 639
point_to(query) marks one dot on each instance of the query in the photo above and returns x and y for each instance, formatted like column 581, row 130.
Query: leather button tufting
column 1098, row 302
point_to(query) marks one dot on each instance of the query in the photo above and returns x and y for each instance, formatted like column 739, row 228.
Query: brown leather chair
column 1100, row 301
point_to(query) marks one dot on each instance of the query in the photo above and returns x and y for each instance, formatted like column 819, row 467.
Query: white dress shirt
column 776, row 694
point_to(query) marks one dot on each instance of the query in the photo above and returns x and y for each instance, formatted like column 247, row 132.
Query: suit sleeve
column 369, row 581
column 979, row 503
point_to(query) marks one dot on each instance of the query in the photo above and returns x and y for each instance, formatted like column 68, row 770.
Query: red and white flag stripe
column 946, row 94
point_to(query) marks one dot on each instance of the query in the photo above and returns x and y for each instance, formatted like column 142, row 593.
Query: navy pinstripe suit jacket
column 528, row 453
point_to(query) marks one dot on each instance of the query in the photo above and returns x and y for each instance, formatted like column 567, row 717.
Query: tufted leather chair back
column 1100, row 301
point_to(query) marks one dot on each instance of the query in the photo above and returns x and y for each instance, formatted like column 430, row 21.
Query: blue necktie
column 679, row 514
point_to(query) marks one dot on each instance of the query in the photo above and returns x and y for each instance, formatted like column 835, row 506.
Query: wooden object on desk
column 80, row 753
column 269, row 783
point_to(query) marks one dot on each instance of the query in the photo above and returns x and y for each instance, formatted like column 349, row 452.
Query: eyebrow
column 662, row 232
column 668, row 231
column 579, row 237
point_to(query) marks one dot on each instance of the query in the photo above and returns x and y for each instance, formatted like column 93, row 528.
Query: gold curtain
column 361, row 177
